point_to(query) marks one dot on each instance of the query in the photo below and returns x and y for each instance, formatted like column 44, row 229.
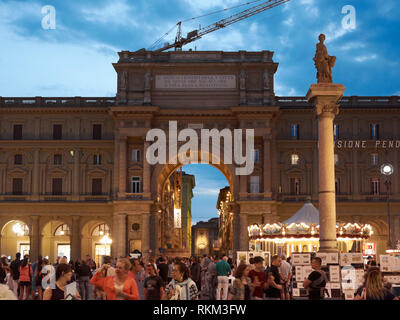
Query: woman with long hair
column 119, row 286
column 242, row 287
column 373, row 288
column 63, row 276
column 25, row 274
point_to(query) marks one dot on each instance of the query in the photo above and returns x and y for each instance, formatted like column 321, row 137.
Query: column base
column 328, row 246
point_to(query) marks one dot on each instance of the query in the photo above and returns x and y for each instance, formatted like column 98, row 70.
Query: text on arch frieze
column 195, row 81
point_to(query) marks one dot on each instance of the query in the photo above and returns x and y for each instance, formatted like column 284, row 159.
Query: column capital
column 325, row 97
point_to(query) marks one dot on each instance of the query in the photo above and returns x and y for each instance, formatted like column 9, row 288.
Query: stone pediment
column 373, row 171
column 58, row 171
column 295, row 171
column 18, row 171
column 97, row 172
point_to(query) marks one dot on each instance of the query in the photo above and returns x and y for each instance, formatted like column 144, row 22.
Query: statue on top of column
column 323, row 62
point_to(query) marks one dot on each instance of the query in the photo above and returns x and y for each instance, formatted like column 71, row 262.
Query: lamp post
column 387, row 170
column 105, row 240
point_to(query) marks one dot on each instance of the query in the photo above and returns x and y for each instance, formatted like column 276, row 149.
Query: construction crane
column 198, row 33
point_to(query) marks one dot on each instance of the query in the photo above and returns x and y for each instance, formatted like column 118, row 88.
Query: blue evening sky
column 75, row 58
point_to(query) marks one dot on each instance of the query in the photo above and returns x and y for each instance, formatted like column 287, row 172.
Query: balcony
column 95, row 197
column 14, row 197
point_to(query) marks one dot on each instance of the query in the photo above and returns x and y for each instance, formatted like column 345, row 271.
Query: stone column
column 315, row 175
column 153, row 229
column 122, row 167
column 119, row 235
column 145, row 233
column 75, row 238
column 76, row 176
column 325, row 97
column 146, row 173
column 244, row 233
column 34, row 238
column 267, row 167
column 36, row 174
column 236, row 228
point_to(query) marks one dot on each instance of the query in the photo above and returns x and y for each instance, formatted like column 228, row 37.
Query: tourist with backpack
column 316, row 281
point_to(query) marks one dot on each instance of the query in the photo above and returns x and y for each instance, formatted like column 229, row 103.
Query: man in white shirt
column 285, row 270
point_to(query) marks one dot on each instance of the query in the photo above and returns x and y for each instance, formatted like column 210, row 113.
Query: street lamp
column 106, row 240
column 387, row 170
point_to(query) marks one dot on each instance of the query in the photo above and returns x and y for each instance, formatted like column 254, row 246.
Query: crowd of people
column 164, row 278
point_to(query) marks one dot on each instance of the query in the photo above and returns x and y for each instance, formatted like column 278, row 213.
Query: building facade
column 79, row 163
column 205, row 237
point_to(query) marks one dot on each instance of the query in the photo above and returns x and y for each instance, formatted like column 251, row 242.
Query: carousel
column 300, row 234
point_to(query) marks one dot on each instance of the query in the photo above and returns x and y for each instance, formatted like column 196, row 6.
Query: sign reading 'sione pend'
column 367, row 144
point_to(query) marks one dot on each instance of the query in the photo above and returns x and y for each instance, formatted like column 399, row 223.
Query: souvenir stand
column 298, row 237
column 390, row 268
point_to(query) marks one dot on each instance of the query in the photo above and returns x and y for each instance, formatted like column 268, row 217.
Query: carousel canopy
column 308, row 214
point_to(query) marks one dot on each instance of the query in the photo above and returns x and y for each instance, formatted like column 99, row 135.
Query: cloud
column 118, row 12
column 206, row 191
column 366, row 58
column 352, row 46
column 208, row 4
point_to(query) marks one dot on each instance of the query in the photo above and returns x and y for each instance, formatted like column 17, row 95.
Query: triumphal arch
column 197, row 90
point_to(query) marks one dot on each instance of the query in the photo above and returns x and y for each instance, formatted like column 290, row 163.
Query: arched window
column 62, row 230
column 101, row 230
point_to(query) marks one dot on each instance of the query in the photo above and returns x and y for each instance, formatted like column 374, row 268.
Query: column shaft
column 35, row 239
column 35, row 178
column 122, row 166
column 267, row 168
column 146, row 172
column 76, row 175
column 75, row 238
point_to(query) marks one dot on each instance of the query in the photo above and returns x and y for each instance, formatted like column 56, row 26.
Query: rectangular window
column 18, row 159
column 294, row 186
column 57, row 159
column 294, row 131
column 256, row 155
column 57, row 132
column 97, row 159
column 374, row 159
column 57, row 186
column 336, row 131
column 97, row 132
column 17, row 132
column 136, row 185
column 136, row 155
column 375, row 186
column 97, row 186
column 374, row 131
column 254, row 184
column 17, row 186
